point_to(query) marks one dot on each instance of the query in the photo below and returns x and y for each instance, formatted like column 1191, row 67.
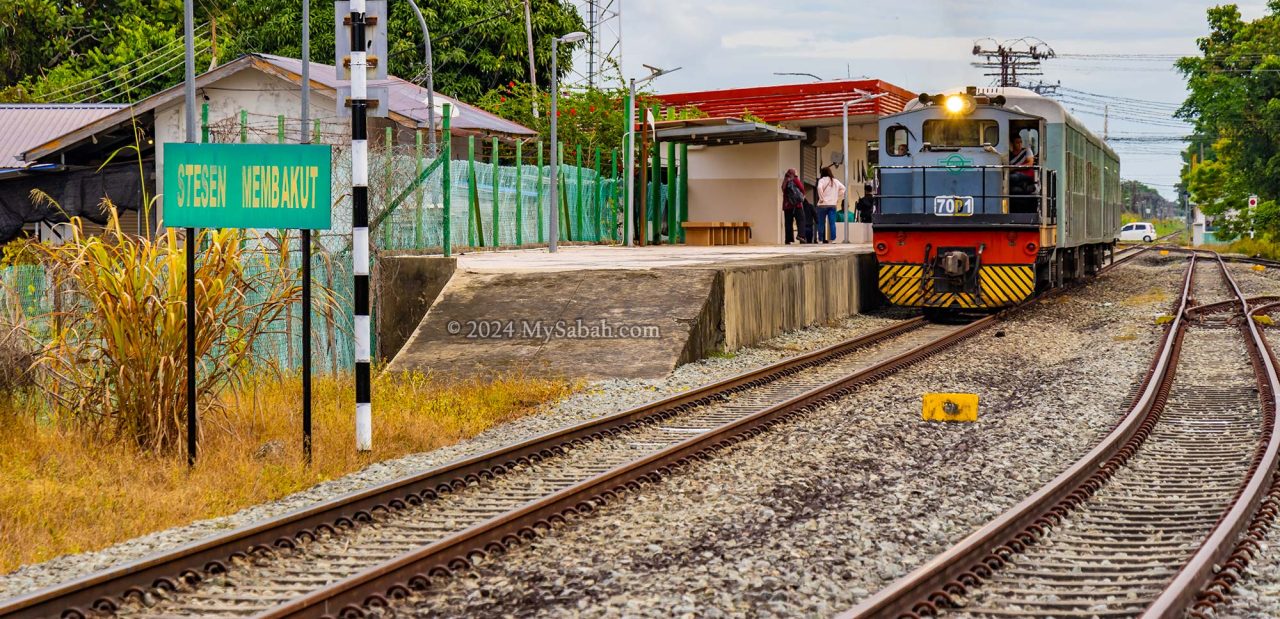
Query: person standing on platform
column 830, row 194
column 792, row 206
column 810, row 218
column 866, row 204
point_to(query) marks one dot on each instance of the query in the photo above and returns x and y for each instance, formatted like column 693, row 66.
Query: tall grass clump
column 115, row 361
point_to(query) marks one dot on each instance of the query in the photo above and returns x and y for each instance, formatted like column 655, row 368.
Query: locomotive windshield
column 957, row 132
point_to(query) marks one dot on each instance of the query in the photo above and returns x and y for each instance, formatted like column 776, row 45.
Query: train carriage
column 966, row 222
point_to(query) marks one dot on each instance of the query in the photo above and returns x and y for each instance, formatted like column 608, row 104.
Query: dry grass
column 1154, row 296
column 64, row 492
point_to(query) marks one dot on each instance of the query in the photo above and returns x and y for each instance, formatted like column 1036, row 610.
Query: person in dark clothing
column 810, row 219
column 792, row 206
column 866, row 204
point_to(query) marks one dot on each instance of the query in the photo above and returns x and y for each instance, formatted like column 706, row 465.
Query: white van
column 1138, row 231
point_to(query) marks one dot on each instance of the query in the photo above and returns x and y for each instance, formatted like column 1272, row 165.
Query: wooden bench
column 709, row 233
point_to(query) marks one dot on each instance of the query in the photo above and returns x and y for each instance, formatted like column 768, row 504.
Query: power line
column 87, row 84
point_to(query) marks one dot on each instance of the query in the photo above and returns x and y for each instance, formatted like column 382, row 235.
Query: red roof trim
column 794, row 102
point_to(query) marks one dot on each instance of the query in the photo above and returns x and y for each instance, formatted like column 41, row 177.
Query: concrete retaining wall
column 762, row 301
column 698, row 310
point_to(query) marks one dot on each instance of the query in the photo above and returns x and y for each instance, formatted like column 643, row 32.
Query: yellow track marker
column 950, row 407
column 1263, row 319
column 1259, row 268
column 1164, row 252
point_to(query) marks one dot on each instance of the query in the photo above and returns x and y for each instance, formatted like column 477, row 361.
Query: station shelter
column 739, row 154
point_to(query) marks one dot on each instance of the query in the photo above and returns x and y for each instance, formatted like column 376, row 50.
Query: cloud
column 925, row 45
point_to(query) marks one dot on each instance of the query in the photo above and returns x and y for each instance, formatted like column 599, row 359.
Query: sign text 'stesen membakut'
column 247, row 186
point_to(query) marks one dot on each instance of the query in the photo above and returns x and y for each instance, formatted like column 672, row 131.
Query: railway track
column 367, row 549
column 364, row 548
column 1141, row 524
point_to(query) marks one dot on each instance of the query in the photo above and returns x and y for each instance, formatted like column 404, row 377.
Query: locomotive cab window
column 960, row 132
column 895, row 141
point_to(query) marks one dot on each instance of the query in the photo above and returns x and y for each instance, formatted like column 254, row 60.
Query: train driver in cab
column 1022, row 179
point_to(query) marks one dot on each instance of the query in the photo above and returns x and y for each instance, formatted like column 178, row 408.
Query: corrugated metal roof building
column 24, row 125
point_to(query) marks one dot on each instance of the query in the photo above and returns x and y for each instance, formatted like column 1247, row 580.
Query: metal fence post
column 497, row 240
column 471, row 191
column 672, row 205
column 388, row 169
column 655, row 197
column 613, row 194
column 446, row 184
column 244, row 126
column 598, row 198
column 577, row 198
column 204, row 123
column 684, row 188
column 519, row 193
column 417, row 173
column 541, row 233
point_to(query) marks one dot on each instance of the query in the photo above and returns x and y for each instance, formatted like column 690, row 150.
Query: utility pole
column 1106, row 120
column 533, row 74
column 1011, row 60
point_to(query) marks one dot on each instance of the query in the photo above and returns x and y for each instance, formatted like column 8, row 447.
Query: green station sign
column 247, row 186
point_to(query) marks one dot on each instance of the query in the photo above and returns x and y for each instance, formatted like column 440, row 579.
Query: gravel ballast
column 816, row 514
column 1258, row 595
column 595, row 400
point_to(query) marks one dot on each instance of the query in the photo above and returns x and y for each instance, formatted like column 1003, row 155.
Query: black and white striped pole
column 360, row 225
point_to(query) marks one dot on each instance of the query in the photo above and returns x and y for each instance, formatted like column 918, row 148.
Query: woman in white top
column 830, row 193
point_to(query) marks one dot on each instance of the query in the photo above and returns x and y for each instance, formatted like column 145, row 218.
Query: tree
column 96, row 47
column 588, row 118
column 1234, row 104
column 89, row 50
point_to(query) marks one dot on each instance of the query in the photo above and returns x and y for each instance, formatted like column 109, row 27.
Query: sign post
column 246, row 186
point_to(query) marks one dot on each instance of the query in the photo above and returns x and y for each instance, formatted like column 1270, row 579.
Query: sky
column 925, row 45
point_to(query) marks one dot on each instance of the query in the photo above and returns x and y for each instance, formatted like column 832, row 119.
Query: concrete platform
column 598, row 311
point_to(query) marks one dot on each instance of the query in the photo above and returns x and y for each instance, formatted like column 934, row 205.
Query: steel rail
column 1197, row 574
column 397, row 578
column 379, row 586
column 964, row 564
column 1200, row 585
column 100, row 591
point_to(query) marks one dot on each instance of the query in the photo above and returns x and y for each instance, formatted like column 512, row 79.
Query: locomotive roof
column 1026, row 102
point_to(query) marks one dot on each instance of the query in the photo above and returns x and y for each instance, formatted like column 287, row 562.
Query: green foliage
column 1142, row 199
column 90, row 50
column 1255, row 248
column 590, row 118
column 53, row 50
column 116, row 362
column 1234, row 104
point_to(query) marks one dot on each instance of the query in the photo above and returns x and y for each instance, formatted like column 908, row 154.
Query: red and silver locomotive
column 986, row 196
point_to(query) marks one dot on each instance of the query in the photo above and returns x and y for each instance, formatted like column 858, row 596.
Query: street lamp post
column 654, row 73
column 844, row 111
column 431, row 86
column 554, row 221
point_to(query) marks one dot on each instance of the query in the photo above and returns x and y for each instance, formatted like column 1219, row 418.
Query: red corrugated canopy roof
column 795, row 102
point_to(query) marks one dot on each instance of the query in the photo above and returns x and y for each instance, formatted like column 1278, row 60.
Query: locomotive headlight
column 958, row 104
